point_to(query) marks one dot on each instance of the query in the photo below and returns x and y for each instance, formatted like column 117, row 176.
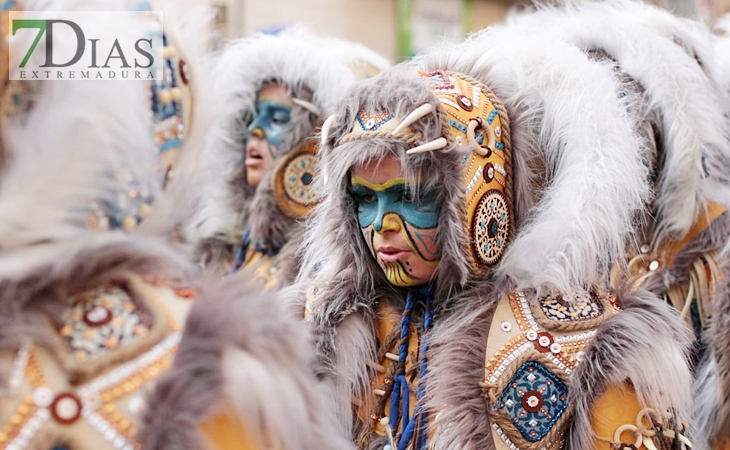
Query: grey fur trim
column 457, row 349
column 712, row 383
column 273, row 390
column 266, row 221
column 646, row 345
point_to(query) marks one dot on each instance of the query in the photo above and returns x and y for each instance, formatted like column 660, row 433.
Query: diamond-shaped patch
column 534, row 399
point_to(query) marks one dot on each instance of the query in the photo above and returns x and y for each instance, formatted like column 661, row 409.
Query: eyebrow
column 359, row 181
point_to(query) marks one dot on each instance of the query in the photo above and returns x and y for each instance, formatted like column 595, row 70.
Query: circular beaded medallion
column 293, row 180
column 490, row 228
column 298, row 177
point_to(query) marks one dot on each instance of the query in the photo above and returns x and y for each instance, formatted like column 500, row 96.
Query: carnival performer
column 275, row 91
column 451, row 272
column 91, row 315
column 676, row 251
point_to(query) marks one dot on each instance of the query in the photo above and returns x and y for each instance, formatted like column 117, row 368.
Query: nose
column 387, row 221
column 256, row 133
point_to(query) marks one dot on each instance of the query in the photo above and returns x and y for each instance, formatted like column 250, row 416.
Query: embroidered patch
column 584, row 307
column 371, row 122
column 534, row 399
column 293, row 180
column 298, row 177
column 490, row 227
column 102, row 320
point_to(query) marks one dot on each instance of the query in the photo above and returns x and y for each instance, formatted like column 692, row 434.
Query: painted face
column 266, row 132
column 399, row 227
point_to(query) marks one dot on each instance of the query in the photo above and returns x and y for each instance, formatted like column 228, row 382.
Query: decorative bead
column 387, row 447
column 464, row 102
column 531, row 335
column 506, row 326
column 645, row 248
column 654, row 265
column 98, row 316
column 384, row 421
column 498, row 131
column 136, row 405
column 42, row 396
column 164, row 96
column 169, row 52
column 129, row 223
column 556, row 348
column 145, row 210
column 176, row 94
column 66, row 409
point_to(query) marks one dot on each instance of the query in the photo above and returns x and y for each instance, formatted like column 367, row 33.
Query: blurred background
column 394, row 28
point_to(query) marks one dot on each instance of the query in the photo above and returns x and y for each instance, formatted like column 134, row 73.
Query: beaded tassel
column 400, row 391
column 420, row 416
column 241, row 254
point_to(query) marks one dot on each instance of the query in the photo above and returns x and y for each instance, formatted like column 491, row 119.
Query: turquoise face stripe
column 273, row 119
column 373, row 205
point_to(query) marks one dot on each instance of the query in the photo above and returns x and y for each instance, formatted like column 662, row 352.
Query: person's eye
column 407, row 197
column 368, row 198
column 279, row 120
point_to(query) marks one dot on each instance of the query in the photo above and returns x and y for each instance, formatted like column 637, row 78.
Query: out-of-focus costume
column 90, row 315
column 262, row 153
column 713, row 379
column 671, row 92
column 470, row 200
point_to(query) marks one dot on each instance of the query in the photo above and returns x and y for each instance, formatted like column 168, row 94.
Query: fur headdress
column 670, row 58
column 317, row 71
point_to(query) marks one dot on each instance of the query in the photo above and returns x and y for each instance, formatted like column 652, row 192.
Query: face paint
column 272, row 120
column 399, row 228
column 265, row 134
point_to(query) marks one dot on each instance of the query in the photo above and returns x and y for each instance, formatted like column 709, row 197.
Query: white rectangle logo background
column 85, row 45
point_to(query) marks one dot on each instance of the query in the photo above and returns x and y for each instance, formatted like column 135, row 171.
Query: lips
column 253, row 158
column 392, row 254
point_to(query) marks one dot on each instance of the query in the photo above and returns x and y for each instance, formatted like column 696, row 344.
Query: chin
column 253, row 181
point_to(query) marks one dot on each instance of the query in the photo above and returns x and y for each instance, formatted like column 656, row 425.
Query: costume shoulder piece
column 534, row 345
column 85, row 388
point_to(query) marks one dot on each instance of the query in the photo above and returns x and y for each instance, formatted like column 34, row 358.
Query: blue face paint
column 374, row 202
column 272, row 118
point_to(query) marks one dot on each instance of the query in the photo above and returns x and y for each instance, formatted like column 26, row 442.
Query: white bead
column 110, row 434
column 384, row 421
column 531, row 335
column 136, row 405
column 506, row 326
column 654, row 265
column 43, row 396
column 645, row 248
column 67, row 408
column 556, row 348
